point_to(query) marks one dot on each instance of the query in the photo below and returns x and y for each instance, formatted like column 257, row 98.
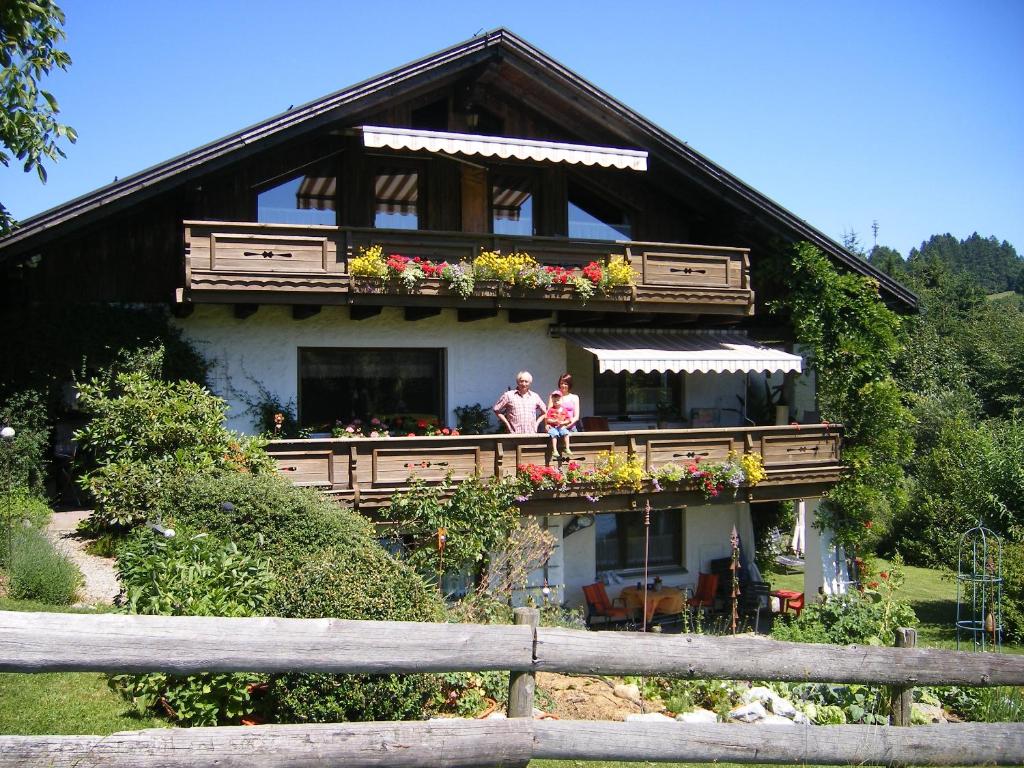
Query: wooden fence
column 35, row 642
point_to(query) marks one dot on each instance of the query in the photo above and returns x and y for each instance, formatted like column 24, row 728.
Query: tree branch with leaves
column 30, row 31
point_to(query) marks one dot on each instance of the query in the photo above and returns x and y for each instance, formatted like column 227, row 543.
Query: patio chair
column 706, row 592
column 794, row 604
column 600, row 606
column 754, row 597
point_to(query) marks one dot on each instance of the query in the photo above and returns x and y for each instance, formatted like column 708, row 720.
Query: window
column 346, row 384
column 593, row 218
column 620, row 540
column 636, row 394
column 512, row 205
column 306, row 199
column 396, row 198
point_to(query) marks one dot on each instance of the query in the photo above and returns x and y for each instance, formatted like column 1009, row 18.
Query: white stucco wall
column 482, row 356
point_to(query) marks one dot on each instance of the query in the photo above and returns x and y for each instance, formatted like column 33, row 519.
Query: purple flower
column 656, row 484
column 521, row 499
column 592, row 498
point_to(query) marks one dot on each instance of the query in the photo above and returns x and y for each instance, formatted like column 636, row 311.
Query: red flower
column 872, row 585
column 411, row 434
column 455, row 432
column 421, row 424
column 446, row 431
column 884, row 575
column 867, row 523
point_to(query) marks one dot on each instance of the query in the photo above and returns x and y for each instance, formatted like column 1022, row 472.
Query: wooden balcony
column 801, row 461
column 231, row 262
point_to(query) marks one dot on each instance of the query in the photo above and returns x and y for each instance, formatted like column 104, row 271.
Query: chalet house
column 258, row 243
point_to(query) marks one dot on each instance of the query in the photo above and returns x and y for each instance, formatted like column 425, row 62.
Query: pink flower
column 350, row 430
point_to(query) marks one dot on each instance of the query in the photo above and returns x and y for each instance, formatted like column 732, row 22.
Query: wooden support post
column 521, row 685
column 901, row 698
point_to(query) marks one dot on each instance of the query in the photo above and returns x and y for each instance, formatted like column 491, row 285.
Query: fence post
column 521, row 685
column 901, row 698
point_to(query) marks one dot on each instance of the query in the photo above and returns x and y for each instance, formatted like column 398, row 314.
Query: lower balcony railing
column 236, row 262
column 800, row 461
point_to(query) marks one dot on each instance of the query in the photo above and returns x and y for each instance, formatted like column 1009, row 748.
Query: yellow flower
column 369, row 263
column 619, row 272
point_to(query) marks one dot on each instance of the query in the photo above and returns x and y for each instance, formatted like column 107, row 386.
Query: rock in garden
column 698, row 716
column 627, row 691
column 774, row 720
column 758, row 693
column 784, row 707
column 657, row 716
column 748, row 713
column 929, row 713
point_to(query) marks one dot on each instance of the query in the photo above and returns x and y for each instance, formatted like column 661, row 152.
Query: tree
column 29, row 131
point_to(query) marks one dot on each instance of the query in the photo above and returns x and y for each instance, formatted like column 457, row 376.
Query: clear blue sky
column 909, row 113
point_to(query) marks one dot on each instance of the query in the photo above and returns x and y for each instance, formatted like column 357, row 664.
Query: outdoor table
column 785, row 595
column 666, row 600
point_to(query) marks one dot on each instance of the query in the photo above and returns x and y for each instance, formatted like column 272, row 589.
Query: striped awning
column 509, row 196
column 679, row 351
column 316, row 193
column 396, row 192
column 378, row 137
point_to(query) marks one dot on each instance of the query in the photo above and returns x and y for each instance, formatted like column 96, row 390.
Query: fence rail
column 44, row 642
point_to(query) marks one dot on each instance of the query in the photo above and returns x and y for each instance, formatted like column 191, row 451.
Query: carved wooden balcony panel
column 231, row 262
column 801, row 461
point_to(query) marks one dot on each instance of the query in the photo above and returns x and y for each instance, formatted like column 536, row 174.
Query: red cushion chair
column 600, row 606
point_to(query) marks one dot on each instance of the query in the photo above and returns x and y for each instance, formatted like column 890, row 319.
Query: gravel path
column 101, row 585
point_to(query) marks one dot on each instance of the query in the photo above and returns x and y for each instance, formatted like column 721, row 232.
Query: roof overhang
column 379, row 137
column 679, row 351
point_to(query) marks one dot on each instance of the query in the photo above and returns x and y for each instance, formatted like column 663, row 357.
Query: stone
column 758, row 693
column 784, row 707
column 698, row 716
column 748, row 713
column 928, row 713
column 627, row 691
column 774, row 720
column 496, row 716
column 648, row 716
column 801, row 719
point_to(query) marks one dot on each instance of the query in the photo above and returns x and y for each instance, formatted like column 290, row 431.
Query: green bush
column 23, row 460
column 263, row 514
column 192, row 574
column 37, row 571
column 145, row 432
column 328, row 564
column 854, row 618
column 1013, row 593
column 361, row 582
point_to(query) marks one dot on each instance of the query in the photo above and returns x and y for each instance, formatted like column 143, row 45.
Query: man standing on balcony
column 518, row 408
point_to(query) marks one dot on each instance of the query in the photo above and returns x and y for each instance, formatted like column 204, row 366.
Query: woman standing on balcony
column 570, row 402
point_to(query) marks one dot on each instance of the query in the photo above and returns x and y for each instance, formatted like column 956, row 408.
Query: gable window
column 592, row 217
column 306, row 199
column 396, row 198
column 343, row 384
column 636, row 394
column 512, row 205
column 620, row 540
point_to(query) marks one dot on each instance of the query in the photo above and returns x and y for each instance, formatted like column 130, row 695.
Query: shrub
column 192, row 574
column 38, row 572
column 23, row 460
column 362, row 582
column 1013, row 592
column 327, row 563
column 146, row 432
column 477, row 517
column 263, row 514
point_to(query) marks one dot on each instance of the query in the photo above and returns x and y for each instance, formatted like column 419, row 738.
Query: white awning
column 500, row 146
column 679, row 351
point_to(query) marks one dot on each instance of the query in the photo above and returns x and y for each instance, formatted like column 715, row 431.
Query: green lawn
column 63, row 702
column 931, row 593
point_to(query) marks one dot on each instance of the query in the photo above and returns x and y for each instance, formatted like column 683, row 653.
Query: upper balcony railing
column 800, row 461
column 232, row 262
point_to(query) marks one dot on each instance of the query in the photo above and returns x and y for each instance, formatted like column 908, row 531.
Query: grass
column 930, row 592
column 63, row 702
